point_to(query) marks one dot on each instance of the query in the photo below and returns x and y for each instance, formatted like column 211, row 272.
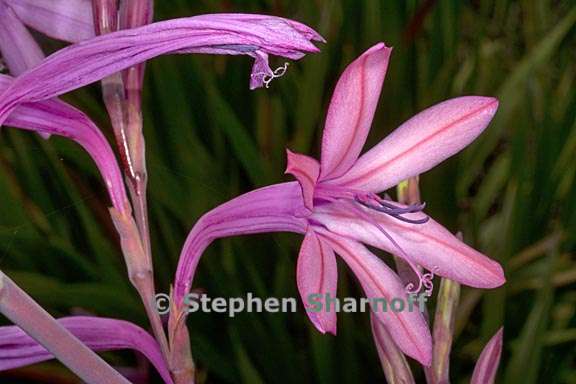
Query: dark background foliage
column 512, row 193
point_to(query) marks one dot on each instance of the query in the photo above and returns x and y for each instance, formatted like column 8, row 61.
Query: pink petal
column 68, row 20
column 18, row 47
column 54, row 117
column 421, row 143
column 429, row 245
column 91, row 60
column 317, row 273
column 408, row 328
column 276, row 208
column 487, row 365
column 351, row 110
column 305, row 169
column 17, row 349
column 273, row 23
column 393, row 362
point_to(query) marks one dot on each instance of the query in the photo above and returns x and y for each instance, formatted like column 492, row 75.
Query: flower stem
column 121, row 94
column 140, row 272
column 21, row 309
column 443, row 333
column 181, row 361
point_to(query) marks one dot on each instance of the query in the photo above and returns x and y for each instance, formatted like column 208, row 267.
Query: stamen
column 268, row 77
column 428, row 283
column 376, row 203
column 354, row 198
column 424, row 280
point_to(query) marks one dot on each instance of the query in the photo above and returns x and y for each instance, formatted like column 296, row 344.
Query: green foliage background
column 512, row 193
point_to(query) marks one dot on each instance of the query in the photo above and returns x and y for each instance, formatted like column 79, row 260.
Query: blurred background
column 512, row 193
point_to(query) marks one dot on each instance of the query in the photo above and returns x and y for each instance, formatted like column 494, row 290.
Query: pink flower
column 67, row 20
column 335, row 204
column 17, row 349
column 75, row 66
column 55, row 117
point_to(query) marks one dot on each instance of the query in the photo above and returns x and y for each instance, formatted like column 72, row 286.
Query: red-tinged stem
column 139, row 263
column 23, row 311
column 181, row 361
column 136, row 173
column 140, row 272
column 105, row 15
column 132, row 14
column 123, row 105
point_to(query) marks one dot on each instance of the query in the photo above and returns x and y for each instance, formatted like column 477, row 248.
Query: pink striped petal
column 394, row 364
column 17, row 46
column 351, row 110
column 408, row 328
column 489, row 360
column 68, row 20
column 19, row 49
column 429, row 245
column 54, row 117
column 317, row 274
column 305, row 169
column 17, row 349
column 91, row 60
column 421, row 143
column 276, row 208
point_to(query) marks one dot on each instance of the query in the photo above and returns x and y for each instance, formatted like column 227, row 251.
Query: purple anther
column 390, row 209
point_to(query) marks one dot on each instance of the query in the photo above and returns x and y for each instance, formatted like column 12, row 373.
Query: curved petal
column 91, row 60
column 317, row 274
column 19, row 49
column 351, row 110
column 277, row 208
column 421, row 143
column 54, row 117
column 407, row 327
column 17, row 349
column 68, row 20
column 305, row 169
column 487, row 365
column 429, row 245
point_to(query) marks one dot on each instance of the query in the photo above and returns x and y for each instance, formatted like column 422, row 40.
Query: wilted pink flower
column 53, row 117
column 17, row 349
column 336, row 204
column 232, row 34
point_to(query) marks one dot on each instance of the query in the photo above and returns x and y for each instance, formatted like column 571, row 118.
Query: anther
column 378, row 204
column 268, row 77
